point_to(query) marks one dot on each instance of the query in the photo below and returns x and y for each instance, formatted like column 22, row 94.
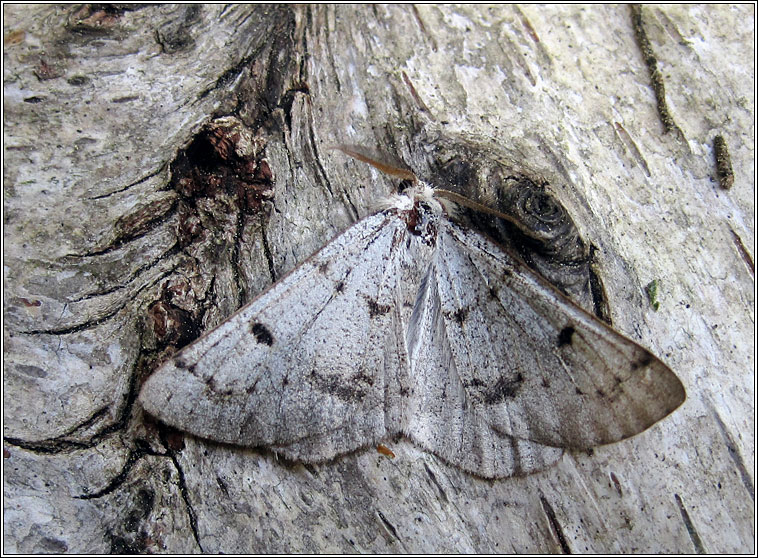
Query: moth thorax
column 423, row 219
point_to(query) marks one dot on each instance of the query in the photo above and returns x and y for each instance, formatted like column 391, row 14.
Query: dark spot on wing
column 262, row 333
column 180, row 363
column 564, row 337
column 579, row 391
column 323, row 267
column 545, row 382
column 459, row 316
column 251, row 389
column 645, row 360
column 347, row 389
column 211, row 383
column 600, row 392
column 474, row 382
column 375, row 309
column 494, row 292
column 504, row 388
column 340, row 286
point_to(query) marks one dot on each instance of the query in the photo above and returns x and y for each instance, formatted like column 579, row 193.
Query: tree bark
column 165, row 164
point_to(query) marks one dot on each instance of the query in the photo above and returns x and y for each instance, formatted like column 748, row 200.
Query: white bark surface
column 97, row 106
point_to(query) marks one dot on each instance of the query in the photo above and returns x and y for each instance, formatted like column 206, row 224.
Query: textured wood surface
column 111, row 261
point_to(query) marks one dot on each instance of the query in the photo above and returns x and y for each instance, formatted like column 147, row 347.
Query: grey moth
column 409, row 324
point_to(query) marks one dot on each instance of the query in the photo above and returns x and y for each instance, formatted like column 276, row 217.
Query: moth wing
column 440, row 415
column 309, row 367
column 524, row 361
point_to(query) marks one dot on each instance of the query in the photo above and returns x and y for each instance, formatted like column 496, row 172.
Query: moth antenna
column 476, row 206
column 361, row 154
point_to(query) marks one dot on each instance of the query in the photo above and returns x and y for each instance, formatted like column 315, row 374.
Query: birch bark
column 127, row 233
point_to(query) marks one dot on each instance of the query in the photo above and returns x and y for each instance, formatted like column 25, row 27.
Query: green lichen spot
column 652, row 293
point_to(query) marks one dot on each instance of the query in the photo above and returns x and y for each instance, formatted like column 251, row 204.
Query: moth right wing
column 312, row 367
column 521, row 360
column 441, row 417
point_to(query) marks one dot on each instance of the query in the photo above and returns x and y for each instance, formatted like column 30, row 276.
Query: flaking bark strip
column 742, row 250
column 267, row 248
column 131, row 184
column 554, row 525
column 89, row 324
column 696, row 542
column 142, row 220
column 414, row 93
column 185, row 496
column 171, row 252
column 63, row 444
column 656, row 79
column 117, row 481
column 723, row 162
column 734, row 453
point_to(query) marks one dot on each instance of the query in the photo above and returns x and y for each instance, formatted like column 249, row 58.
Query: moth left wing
column 313, row 366
column 526, row 362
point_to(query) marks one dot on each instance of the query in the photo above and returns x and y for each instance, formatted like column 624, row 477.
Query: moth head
column 412, row 194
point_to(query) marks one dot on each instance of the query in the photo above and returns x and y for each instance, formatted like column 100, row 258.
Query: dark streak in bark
column 267, row 248
column 421, row 25
column 119, row 479
column 696, row 542
column 723, row 162
column 742, row 250
column 734, row 453
column 135, row 183
column 554, row 525
column 656, row 79
column 432, row 476
column 185, row 496
column 89, row 324
column 389, row 525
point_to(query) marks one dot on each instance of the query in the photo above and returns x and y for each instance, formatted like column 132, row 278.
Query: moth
column 410, row 324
